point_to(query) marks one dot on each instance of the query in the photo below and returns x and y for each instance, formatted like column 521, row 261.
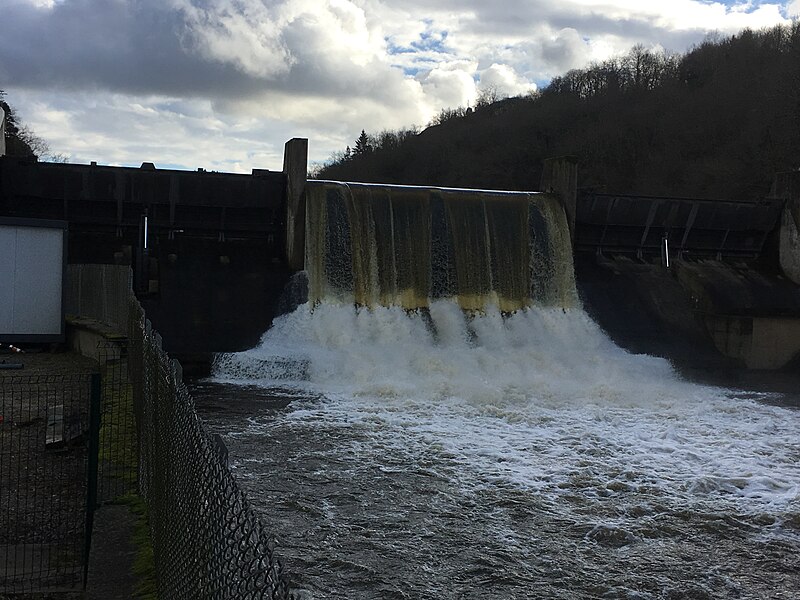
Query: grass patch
column 144, row 564
column 118, row 454
column 118, row 451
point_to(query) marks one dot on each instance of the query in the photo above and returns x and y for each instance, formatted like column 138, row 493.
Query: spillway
column 405, row 246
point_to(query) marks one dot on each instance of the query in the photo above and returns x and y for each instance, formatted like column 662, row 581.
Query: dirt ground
column 43, row 489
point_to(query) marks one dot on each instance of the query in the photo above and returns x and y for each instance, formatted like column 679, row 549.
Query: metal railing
column 45, row 479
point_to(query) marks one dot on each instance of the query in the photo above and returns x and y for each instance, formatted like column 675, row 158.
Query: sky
column 223, row 84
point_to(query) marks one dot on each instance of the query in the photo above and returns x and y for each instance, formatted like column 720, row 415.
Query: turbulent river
column 525, row 456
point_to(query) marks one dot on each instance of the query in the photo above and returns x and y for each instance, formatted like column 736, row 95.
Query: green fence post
column 93, row 458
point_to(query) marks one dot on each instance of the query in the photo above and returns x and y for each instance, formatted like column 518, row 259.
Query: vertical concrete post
column 2, row 132
column 787, row 187
column 295, row 167
column 560, row 176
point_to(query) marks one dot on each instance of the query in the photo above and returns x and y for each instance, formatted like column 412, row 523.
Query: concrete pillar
column 787, row 187
column 295, row 167
column 2, row 132
column 560, row 176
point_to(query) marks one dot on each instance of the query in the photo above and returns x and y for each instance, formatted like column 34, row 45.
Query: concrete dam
column 433, row 392
column 440, row 417
column 712, row 284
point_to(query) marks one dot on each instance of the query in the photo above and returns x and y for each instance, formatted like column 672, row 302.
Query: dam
column 439, row 408
column 728, row 302
column 420, row 428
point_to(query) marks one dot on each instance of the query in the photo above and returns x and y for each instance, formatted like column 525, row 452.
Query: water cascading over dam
column 442, row 419
column 405, row 246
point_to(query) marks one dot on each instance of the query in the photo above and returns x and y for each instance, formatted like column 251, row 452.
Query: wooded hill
column 716, row 122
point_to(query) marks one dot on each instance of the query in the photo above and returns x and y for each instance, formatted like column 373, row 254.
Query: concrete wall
column 560, row 176
column 2, row 132
column 215, row 261
column 645, row 309
column 100, row 293
column 759, row 342
column 731, row 295
column 214, row 296
column 111, row 198
column 707, row 315
column 295, row 168
column 790, row 246
column 787, row 187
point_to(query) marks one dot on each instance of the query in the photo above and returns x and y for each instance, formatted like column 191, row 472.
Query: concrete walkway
column 112, row 556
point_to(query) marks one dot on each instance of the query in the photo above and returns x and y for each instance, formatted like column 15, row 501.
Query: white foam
column 541, row 400
column 546, row 355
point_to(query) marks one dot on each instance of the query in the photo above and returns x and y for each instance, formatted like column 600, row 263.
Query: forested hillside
column 715, row 122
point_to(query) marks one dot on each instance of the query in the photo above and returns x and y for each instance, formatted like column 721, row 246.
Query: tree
column 717, row 121
column 363, row 144
column 448, row 114
column 20, row 140
column 487, row 95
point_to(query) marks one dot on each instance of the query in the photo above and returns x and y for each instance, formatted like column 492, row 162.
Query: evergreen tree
column 363, row 144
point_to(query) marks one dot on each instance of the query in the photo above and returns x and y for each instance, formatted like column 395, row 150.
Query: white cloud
column 505, row 81
column 226, row 82
column 246, row 35
column 450, row 84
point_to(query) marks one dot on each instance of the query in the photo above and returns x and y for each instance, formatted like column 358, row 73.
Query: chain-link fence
column 208, row 541
column 44, row 480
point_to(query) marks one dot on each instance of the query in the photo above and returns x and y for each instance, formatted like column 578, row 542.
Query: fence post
column 93, row 458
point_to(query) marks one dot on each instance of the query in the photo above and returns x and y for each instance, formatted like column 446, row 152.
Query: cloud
column 126, row 130
column 505, row 81
column 100, row 79
column 565, row 50
column 246, row 36
column 450, row 84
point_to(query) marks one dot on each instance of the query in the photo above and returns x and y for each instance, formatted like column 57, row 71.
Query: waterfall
column 383, row 245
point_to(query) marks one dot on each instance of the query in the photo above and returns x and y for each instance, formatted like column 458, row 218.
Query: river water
column 526, row 456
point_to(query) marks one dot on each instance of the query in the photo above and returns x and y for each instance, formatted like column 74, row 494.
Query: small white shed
column 33, row 259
